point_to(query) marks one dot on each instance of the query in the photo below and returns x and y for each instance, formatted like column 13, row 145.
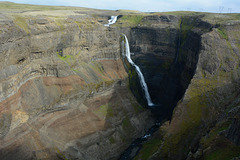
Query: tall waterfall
column 139, row 73
column 111, row 21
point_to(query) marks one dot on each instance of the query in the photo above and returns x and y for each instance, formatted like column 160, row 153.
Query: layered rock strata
column 64, row 91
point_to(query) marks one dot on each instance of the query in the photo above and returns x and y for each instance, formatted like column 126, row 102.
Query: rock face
column 63, row 88
column 205, row 122
column 167, row 52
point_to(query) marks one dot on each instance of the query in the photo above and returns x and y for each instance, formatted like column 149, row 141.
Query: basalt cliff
column 68, row 92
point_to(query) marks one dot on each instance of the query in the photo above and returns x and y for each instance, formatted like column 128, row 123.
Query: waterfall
column 111, row 21
column 139, row 73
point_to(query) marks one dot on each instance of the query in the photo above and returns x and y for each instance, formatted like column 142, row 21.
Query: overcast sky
column 224, row 6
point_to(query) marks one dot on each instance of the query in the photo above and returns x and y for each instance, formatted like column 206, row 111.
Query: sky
column 218, row 6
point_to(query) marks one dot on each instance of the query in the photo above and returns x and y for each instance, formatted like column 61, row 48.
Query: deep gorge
column 168, row 59
column 67, row 93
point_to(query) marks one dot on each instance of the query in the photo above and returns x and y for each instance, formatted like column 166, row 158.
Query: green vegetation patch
column 127, row 125
column 105, row 110
column 97, row 67
column 60, row 23
column 148, row 149
column 79, row 24
column 131, row 20
column 22, row 23
column 86, row 24
column 112, row 140
column 186, row 24
column 134, row 84
column 67, row 58
column 60, row 154
column 222, row 33
column 214, row 133
column 222, row 149
column 137, row 107
column 96, row 86
column 182, row 13
column 15, row 6
column 215, row 18
column 199, row 94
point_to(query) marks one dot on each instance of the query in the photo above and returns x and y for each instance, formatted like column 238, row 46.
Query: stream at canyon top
column 111, row 21
column 139, row 73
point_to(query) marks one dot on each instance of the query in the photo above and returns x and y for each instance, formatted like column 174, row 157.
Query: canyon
column 68, row 92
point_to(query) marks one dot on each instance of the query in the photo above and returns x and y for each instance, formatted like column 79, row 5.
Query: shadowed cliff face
column 205, row 122
column 155, row 53
column 167, row 57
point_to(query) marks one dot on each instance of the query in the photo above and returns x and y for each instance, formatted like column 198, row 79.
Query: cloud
column 145, row 5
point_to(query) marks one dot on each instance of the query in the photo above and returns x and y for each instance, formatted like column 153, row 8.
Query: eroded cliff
column 64, row 92
column 204, row 124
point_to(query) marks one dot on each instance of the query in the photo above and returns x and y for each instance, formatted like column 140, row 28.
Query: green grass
column 127, row 126
column 105, row 110
column 187, row 24
column 209, row 140
column 182, row 13
column 215, row 18
column 112, row 140
column 60, row 23
column 21, row 22
column 92, row 73
column 79, row 24
column 67, row 58
column 222, row 33
column 61, row 154
column 131, row 20
column 222, row 149
column 148, row 149
column 16, row 6
column 197, row 97
column 134, row 83
column 137, row 107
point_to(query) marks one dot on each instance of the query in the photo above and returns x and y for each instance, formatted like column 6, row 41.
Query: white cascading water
column 111, row 21
column 140, row 75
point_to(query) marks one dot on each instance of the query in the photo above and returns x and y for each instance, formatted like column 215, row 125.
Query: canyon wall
column 205, row 121
column 64, row 92
column 167, row 52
